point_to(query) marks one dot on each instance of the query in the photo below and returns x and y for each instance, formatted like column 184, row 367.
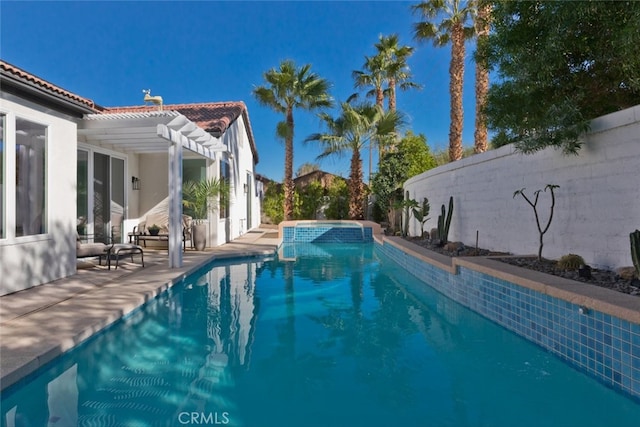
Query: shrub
column 570, row 262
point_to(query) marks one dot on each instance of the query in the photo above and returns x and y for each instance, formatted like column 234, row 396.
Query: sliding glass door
column 102, row 205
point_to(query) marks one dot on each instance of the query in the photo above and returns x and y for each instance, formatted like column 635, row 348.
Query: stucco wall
column 31, row 260
column 597, row 204
column 235, row 137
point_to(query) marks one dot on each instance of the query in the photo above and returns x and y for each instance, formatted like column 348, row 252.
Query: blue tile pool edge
column 603, row 340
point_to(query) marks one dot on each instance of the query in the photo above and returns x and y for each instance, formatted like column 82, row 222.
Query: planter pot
column 199, row 235
column 154, row 232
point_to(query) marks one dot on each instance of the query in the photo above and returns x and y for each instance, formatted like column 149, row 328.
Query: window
column 225, row 178
column 82, row 192
column 31, row 181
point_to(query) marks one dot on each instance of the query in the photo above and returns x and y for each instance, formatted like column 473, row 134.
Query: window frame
column 9, row 178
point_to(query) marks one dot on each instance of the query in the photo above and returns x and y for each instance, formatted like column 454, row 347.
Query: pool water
column 339, row 337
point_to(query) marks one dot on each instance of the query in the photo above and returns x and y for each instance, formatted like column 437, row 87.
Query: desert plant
column 534, row 205
column 570, row 262
column 407, row 205
column 154, row 229
column 422, row 214
column 443, row 224
column 635, row 250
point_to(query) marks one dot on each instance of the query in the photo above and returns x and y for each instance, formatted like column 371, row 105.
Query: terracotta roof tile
column 37, row 81
column 214, row 117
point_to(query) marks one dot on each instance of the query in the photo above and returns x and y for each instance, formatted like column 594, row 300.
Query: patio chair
column 91, row 250
column 130, row 249
column 107, row 250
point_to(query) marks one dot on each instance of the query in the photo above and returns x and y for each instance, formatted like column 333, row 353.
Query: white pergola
column 155, row 132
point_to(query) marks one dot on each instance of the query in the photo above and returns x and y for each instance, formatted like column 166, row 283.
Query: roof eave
column 29, row 90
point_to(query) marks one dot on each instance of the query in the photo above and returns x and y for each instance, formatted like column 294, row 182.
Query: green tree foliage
column 338, row 205
column 560, row 65
column 272, row 203
column 386, row 184
column 312, row 198
column 442, row 156
column 412, row 157
column 419, row 157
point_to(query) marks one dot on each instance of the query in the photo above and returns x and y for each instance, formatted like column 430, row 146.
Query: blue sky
column 212, row 51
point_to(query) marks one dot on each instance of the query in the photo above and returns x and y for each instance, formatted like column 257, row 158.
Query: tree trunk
column 392, row 94
column 356, row 188
column 482, row 25
column 288, row 169
column 392, row 104
column 379, row 103
column 456, row 73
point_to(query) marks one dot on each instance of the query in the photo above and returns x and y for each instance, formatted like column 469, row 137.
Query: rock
column 433, row 234
column 626, row 273
column 453, row 246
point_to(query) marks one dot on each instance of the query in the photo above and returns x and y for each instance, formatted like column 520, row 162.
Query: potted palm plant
column 199, row 199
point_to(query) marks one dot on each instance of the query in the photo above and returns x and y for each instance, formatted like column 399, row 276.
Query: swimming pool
column 340, row 337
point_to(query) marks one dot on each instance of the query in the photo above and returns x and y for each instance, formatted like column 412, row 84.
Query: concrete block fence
column 597, row 204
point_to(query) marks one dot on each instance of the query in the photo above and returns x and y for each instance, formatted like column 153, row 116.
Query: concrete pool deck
column 41, row 323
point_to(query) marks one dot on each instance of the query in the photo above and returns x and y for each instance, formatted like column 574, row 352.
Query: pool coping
column 608, row 301
column 32, row 339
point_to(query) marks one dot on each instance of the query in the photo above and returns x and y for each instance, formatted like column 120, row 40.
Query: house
column 324, row 178
column 79, row 166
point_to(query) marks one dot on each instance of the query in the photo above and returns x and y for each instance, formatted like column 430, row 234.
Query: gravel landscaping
column 604, row 278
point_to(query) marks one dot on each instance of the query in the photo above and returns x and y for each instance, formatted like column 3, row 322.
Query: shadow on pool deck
column 40, row 323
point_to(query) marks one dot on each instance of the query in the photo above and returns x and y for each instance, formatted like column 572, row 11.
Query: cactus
column 570, row 262
column 444, row 224
column 635, row 250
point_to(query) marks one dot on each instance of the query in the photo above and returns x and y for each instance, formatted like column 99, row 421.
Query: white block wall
column 597, row 204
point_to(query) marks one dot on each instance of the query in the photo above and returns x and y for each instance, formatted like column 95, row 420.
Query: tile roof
column 213, row 117
column 21, row 75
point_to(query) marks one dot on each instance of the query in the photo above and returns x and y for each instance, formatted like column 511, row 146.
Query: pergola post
column 175, row 205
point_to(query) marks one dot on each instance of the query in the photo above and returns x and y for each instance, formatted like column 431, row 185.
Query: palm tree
column 372, row 75
column 287, row 88
column 396, row 70
column 357, row 126
column 482, row 24
column 454, row 27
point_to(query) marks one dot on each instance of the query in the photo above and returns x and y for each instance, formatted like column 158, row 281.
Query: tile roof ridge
column 216, row 104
